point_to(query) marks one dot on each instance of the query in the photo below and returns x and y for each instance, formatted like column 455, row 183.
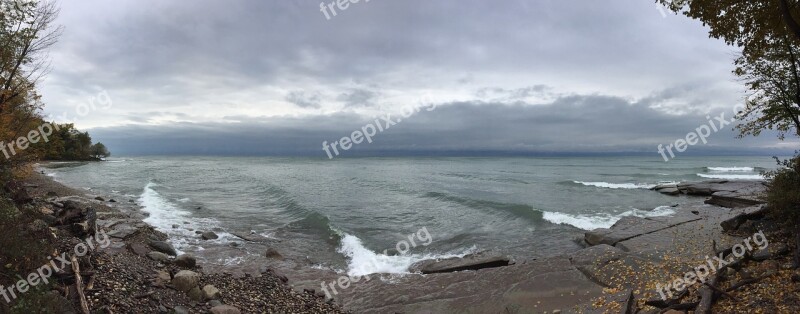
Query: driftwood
column 722, row 292
column 750, row 281
column 76, row 268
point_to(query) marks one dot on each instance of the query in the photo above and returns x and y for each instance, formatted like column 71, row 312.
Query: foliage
column 26, row 33
column 99, row 151
column 753, row 25
column 774, row 82
column 768, row 31
column 783, row 195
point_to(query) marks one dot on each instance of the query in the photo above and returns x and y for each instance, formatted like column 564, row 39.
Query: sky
column 273, row 77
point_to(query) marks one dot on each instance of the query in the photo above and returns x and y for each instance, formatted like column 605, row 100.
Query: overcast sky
column 278, row 77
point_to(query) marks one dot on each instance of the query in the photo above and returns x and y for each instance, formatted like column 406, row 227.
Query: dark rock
column 749, row 213
column 214, row 303
column 195, row 294
column 272, row 253
column 163, row 247
column 210, row 235
column 470, row 262
column 100, row 199
column 185, row 261
column 112, row 201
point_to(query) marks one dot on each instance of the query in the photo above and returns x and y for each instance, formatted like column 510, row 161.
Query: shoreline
column 129, row 275
column 571, row 281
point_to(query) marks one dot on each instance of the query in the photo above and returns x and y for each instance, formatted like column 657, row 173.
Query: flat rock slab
column 544, row 285
column 631, row 227
column 123, row 231
column 731, row 194
column 470, row 262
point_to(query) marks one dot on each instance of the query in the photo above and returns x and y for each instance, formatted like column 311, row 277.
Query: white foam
column 731, row 169
column 616, row 185
column 732, row 176
column 591, row 222
column 164, row 214
column 363, row 261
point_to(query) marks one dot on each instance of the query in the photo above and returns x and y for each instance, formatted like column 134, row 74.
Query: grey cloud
column 358, row 98
column 304, row 100
column 577, row 123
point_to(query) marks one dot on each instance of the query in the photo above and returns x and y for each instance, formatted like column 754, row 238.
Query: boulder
column 470, row 262
column 272, row 253
column 185, row 261
column 163, row 247
column 225, row 309
column 158, row 257
column 210, row 235
column 185, row 280
column 210, row 292
column 195, row 294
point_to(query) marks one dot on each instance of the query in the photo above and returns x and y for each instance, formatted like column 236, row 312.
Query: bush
column 783, row 195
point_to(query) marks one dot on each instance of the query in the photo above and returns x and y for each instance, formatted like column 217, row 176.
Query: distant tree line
column 69, row 144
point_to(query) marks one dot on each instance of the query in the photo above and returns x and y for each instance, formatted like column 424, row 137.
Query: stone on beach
column 158, row 257
column 225, row 309
column 185, row 261
column 185, row 280
column 163, row 247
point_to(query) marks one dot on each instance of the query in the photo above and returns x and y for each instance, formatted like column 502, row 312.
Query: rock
column 195, row 294
column 209, row 235
column 112, row 201
column 185, row 280
column 210, row 292
column 123, row 231
column 225, row 309
column 214, row 303
column 163, row 247
column 180, row 310
column 470, row 262
column 742, row 216
column 138, row 249
column 158, row 257
column 595, row 237
column 175, row 226
column 185, row 261
column 272, row 253
column 162, row 278
column 100, row 199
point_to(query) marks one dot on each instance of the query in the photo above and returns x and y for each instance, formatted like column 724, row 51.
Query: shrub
column 783, row 195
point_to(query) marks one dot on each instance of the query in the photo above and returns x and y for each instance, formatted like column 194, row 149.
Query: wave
column 731, row 169
column 617, row 185
column 163, row 214
column 363, row 261
column 591, row 222
column 516, row 210
column 732, row 176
